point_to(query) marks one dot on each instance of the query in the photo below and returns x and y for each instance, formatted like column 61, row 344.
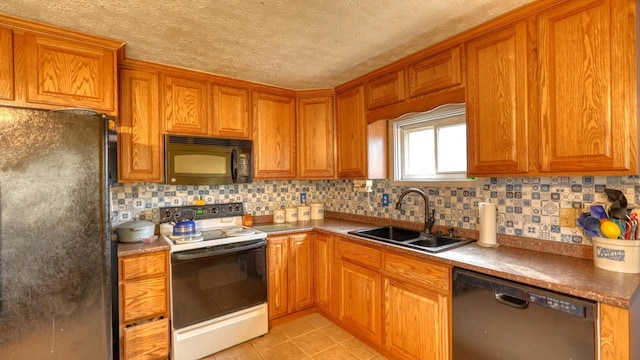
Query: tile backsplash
column 527, row 207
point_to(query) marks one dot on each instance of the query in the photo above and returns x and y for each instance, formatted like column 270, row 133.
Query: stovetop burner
column 219, row 224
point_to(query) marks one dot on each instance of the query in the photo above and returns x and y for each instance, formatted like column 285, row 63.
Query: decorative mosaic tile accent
column 527, row 207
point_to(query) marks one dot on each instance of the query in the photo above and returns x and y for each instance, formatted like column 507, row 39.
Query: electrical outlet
column 568, row 217
column 303, row 198
column 385, row 199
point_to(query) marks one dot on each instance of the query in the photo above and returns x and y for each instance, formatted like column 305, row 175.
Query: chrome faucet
column 429, row 219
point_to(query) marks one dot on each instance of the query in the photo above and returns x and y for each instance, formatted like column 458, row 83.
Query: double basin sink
column 412, row 239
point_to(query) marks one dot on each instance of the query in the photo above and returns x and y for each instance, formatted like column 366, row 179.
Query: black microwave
column 190, row 160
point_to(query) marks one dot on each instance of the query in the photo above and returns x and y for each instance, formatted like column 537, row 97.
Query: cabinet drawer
column 147, row 341
column 143, row 299
column 417, row 271
column 360, row 254
column 134, row 267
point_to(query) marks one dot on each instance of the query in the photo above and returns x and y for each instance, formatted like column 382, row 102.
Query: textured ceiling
column 296, row 44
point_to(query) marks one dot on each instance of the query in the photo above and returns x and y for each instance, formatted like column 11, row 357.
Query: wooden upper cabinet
column 140, row 145
column 497, row 124
column 274, row 136
column 377, row 150
column 316, row 138
column 7, row 90
column 185, row 106
column 69, row 73
column 385, row 90
column 351, row 130
column 588, row 87
column 435, row 72
column 230, row 112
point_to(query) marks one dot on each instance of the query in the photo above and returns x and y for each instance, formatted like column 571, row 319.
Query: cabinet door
column 435, row 72
column 185, row 106
column 415, row 321
column 300, row 272
column 424, row 287
column 277, row 280
column 230, row 112
column 497, row 124
column 385, row 90
column 316, row 138
column 69, row 73
column 587, row 83
column 323, row 250
column 140, row 145
column 7, row 91
column 274, row 136
column 360, row 296
column 351, row 129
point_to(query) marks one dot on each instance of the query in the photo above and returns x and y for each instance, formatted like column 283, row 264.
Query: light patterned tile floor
column 311, row 337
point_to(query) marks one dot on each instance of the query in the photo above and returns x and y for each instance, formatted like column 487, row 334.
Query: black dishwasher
column 497, row 319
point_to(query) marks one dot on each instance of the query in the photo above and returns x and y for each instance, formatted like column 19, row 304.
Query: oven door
column 211, row 282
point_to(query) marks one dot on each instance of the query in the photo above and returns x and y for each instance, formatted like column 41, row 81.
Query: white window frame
column 441, row 116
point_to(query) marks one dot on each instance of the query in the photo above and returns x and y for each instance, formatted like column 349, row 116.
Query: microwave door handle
column 234, row 165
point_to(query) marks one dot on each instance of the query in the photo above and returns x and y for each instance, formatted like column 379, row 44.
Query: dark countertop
column 564, row 274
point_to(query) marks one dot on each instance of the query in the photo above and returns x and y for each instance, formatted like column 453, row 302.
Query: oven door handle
column 218, row 250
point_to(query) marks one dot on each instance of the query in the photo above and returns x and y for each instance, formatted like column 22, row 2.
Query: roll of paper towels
column 487, row 224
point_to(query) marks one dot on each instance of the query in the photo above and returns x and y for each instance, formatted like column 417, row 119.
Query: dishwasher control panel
column 557, row 304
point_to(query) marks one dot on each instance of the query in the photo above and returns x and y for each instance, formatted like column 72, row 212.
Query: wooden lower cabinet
column 415, row 321
column 300, row 276
column 359, row 289
column 323, row 257
column 144, row 306
column 360, row 300
column 290, row 274
column 397, row 302
column 416, row 308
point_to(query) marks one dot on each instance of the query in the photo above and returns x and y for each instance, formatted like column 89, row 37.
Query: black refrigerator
column 56, row 257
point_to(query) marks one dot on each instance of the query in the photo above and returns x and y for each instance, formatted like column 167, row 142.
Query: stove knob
column 230, row 208
column 237, row 208
column 215, row 210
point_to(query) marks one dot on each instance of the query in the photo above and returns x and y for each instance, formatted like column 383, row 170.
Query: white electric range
column 218, row 281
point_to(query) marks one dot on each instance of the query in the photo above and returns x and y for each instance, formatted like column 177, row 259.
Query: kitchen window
column 429, row 146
